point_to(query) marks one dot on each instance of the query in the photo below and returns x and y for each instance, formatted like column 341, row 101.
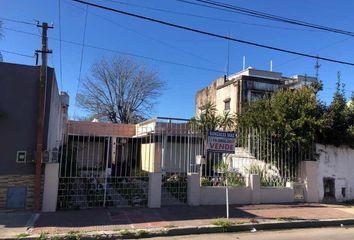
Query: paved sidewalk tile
column 13, row 223
column 137, row 218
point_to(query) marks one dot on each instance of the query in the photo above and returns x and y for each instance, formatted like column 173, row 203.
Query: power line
column 17, row 21
column 81, row 59
column 263, row 15
column 214, row 34
column 123, row 52
column 314, row 51
column 148, row 37
column 17, row 53
column 20, row 31
column 210, row 18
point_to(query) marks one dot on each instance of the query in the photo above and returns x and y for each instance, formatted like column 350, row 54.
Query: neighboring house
column 232, row 92
column 152, row 146
column 19, row 88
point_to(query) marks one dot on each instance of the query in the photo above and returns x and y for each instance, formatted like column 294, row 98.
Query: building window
column 256, row 95
column 227, row 104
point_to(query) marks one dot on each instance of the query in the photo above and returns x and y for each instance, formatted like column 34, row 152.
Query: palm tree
column 209, row 120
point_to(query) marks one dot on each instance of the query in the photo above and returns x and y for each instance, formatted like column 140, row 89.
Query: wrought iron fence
column 104, row 164
column 259, row 152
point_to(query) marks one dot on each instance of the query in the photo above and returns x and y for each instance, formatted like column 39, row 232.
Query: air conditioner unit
column 21, row 156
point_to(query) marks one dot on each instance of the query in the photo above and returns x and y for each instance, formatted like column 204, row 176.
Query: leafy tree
column 120, row 90
column 294, row 115
column 341, row 118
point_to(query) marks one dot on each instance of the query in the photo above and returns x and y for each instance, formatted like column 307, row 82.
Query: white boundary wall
column 337, row 163
column 253, row 193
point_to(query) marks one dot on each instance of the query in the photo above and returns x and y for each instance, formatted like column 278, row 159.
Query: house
column 107, row 164
column 232, row 92
column 19, row 93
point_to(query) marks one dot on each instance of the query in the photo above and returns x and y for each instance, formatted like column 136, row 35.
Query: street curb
column 260, row 226
column 211, row 229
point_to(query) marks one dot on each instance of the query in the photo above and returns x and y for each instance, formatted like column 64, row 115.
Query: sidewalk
column 179, row 217
column 15, row 223
column 182, row 216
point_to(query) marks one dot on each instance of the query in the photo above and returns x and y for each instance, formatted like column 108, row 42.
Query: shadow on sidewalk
column 183, row 215
column 127, row 216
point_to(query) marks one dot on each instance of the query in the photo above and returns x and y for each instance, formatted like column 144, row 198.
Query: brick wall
column 17, row 181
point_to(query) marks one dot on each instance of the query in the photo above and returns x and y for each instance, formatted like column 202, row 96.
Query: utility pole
column 40, row 115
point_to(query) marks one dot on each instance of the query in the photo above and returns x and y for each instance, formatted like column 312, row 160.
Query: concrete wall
column 55, row 118
column 50, row 190
column 18, row 107
column 19, row 85
column 176, row 156
column 151, row 157
column 207, row 94
column 276, row 195
column 253, row 193
column 337, row 163
column 222, row 94
column 217, row 196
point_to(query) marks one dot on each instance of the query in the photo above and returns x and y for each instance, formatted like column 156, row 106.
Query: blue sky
column 128, row 35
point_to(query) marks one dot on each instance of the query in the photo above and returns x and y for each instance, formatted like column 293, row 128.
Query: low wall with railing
column 217, row 196
column 277, row 195
column 252, row 193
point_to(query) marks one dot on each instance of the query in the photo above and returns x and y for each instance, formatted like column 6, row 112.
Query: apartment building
column 232, row 92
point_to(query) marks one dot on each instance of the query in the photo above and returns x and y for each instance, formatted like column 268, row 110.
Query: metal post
column 227, row 199
column 105, row 173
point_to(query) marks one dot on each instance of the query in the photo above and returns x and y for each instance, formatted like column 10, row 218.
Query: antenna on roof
column 228, row 55
column 271, row 65
column 317, row 67
column 244, row 63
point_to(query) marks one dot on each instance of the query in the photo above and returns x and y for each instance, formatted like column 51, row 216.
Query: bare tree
column 120, row 90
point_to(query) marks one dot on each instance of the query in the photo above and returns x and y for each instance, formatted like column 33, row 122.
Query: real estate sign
column 221, row 142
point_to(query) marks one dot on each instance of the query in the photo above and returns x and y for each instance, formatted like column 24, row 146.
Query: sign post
column 223, row 142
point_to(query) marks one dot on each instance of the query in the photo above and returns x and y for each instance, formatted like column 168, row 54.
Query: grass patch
column 23, row 235
column 73, row 235
column 142, row 233
column 285, row 219
column 43, row 236
column 170, row 226
column 56, row 238
column 222, row 222
column 123, row 232
column 242, row 222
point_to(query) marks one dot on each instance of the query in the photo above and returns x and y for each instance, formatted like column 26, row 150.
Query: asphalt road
column 337, row 233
